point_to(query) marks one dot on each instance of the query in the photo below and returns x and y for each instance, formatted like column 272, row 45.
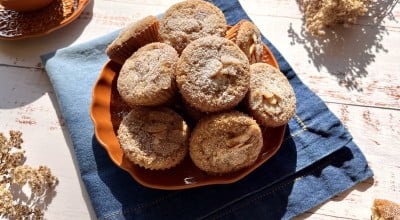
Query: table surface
column 356, row 72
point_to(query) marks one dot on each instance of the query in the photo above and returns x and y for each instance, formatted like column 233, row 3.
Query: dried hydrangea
column 320, row 14
column 16, row 175
column 6, row 201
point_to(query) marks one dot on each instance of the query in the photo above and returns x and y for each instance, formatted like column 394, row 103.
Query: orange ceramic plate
column 20, row 25
column 107, row 110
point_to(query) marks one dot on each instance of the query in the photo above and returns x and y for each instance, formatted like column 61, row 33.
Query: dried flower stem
column 15, row 173
column 320, row 14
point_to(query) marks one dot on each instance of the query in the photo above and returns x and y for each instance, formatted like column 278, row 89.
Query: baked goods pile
column 197, row 88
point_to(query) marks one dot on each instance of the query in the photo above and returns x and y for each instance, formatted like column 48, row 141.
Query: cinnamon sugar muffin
column 190, row 20
column 271, row 99
column 132, row 37
column 225, row 142
column 213, row 74
column 148, row 77
column 154, row 138
column 247, row 36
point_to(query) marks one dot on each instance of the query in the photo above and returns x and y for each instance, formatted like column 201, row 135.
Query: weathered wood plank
column 375, row 132
column 28, row 104
column 356, row 74
column 386, row 13
column 357, row 70
column 99, row 18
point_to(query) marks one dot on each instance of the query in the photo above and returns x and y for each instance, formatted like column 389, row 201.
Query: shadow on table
column 40, row 201
column 361, row 187
column 73, row 154
column 347, row 52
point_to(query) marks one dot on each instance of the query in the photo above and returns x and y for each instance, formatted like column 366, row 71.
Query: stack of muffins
column 196, row 87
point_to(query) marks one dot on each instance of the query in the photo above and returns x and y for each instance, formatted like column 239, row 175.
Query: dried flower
column 14, row 173
column 39, row 180
column 6, row 201
column 320, row 14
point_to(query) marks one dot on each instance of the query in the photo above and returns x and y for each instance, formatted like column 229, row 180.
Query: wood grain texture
column 355, row 73
column 28, row 104
column 354, row 70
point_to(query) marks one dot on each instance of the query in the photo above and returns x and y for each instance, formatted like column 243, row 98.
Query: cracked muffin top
column 271, row 99
column 213, row 74
column 187, row 21
column 225, row 142
column 154, row 138
column 147, row 78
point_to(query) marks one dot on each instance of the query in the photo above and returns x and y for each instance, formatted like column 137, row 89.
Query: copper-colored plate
column 20, row 25
column 107, row 110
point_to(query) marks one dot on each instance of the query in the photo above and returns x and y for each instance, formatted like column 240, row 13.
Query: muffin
column 147, row 78
column 154, row 138
column 271, row 99
column 190, row 20
column 133, row 37
column 225, row 142
column 213, row 74
column 247, row 36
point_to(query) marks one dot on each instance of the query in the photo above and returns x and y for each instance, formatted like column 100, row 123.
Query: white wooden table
column 357, row 74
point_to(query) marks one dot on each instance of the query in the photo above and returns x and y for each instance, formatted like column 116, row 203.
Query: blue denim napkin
column 317, row 160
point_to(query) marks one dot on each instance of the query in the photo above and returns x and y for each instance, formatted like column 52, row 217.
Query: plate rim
column 118, row 159
column 75, row 14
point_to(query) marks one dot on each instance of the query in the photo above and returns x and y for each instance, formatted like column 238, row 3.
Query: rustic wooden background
column 355, row 70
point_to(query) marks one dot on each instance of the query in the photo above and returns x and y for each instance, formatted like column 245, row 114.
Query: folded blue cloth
column 316, row 161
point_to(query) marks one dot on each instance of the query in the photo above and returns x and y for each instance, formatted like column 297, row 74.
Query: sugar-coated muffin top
column 154, row 138
column 249, row 40
column 147, row 73
column 190, row 20
column 271, row 98
column 213, row 74
column 225, row 142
